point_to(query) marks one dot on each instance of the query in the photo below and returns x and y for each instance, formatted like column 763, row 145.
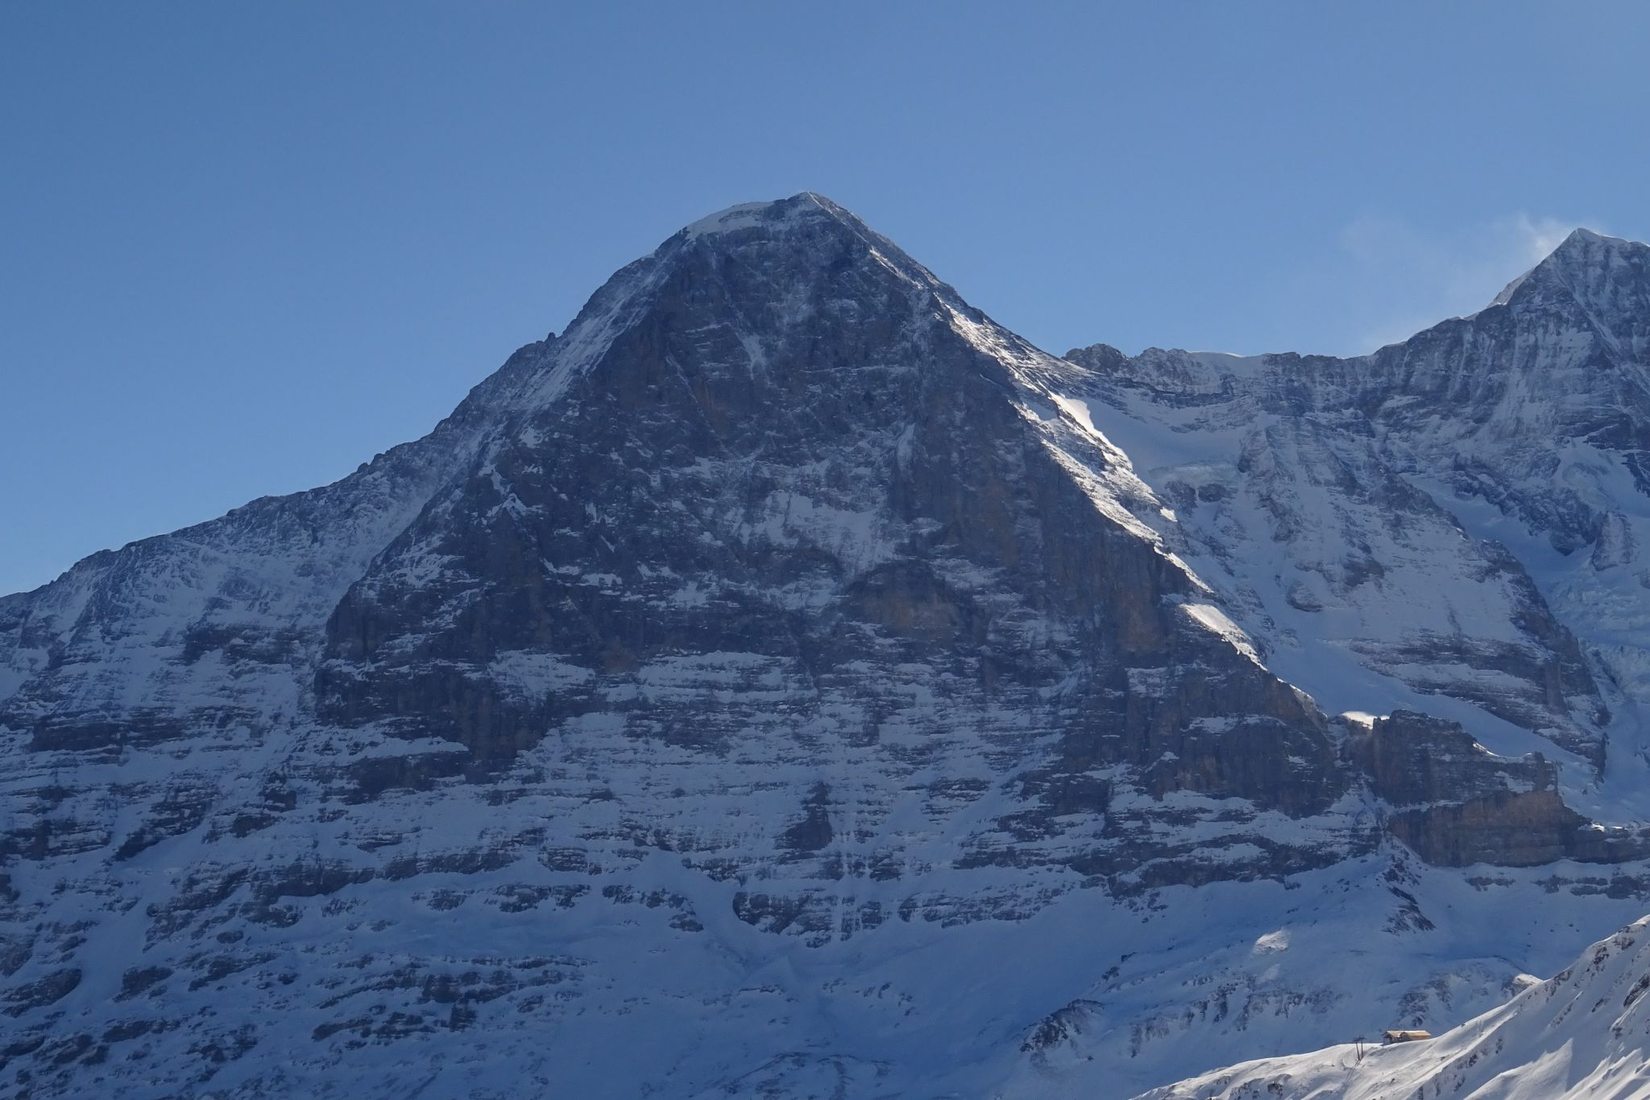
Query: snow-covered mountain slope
column 214, row 625
column 1356, row 585
column 778, row 684
column 1452, row 523
column 1583, row 1035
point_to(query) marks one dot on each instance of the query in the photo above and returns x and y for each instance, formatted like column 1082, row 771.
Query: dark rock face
column 813, row 832
column 805, row 453
column 1413, row 760
column 1505, row 828
column 1455, row 803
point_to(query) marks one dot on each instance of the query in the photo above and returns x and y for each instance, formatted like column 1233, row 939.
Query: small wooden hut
column 1404, row 1035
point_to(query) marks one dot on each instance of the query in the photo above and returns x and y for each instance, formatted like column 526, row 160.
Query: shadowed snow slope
column 1584, row 1035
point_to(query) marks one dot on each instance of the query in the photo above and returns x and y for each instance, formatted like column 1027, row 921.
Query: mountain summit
column 786, row 638
column 1607, row 282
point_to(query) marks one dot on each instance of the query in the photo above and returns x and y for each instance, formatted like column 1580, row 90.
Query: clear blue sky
column 245, row 246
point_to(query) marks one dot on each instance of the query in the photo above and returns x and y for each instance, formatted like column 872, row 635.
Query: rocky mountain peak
column 781, row 437
column 1607, row 278
column 808, row 246
column 1583, row 248
column 735, row 283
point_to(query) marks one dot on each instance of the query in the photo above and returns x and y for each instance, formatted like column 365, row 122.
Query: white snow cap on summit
column 739, row 216
column 748, row 215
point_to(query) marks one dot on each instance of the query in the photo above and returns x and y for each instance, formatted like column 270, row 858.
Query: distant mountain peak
column 1584, row 263
column 1584, row 252
column 1582, row 234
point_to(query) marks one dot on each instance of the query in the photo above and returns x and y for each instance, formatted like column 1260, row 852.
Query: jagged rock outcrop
column 1456, row 803
column 1414, row 760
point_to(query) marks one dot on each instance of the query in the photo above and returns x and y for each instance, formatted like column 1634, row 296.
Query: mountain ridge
column 1575, row 1036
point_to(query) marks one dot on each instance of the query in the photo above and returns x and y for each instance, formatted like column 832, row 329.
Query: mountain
column 782, row 683
column 1452, row 523
column 1578, row 1036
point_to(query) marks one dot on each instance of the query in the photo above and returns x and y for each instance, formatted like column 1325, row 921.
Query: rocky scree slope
column 781, row 623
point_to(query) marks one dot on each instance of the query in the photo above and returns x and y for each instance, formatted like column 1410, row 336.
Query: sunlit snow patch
column 1212, row 618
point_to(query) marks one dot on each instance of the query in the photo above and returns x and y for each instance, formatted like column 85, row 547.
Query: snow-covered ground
column 1581, row 1035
